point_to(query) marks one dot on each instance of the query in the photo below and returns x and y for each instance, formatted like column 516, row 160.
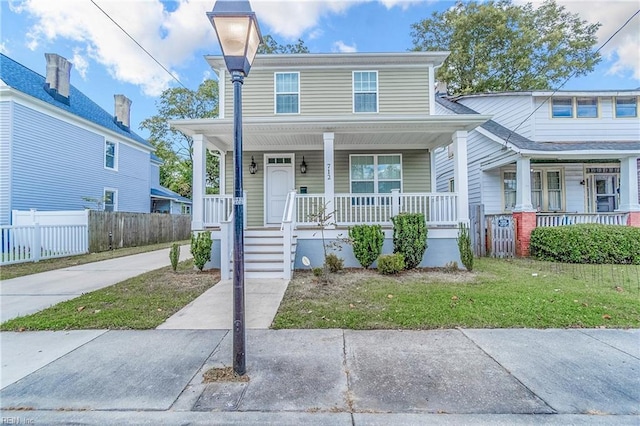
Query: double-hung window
column 365, row 91
column 626, row 107
column 287, row 96
column 110, row 155
column 562, row 107
column 110, row 200
column 375, row 174
column 587, row 107
column 546, row 189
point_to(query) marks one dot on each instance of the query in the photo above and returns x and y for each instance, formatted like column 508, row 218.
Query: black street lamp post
column 239, row 35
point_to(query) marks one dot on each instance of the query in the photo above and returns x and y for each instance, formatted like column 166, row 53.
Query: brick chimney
column 122, row 110
column 58, row 76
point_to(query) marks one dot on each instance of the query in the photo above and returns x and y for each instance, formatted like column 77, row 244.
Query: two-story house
column 556, row 157
column 59, row 150
column 353, row 133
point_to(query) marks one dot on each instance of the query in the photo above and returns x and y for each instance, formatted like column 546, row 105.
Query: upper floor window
column 587, row 107
column 626, row 106
column 561, row 108
column 287, row 96
column 110, row 155
column 365, row 91
column 110, row 200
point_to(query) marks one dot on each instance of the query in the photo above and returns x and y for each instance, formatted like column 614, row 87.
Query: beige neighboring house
column 365, row 128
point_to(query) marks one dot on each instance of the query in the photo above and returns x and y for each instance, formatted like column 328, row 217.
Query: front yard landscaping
column 497, row 294
column 142, row 302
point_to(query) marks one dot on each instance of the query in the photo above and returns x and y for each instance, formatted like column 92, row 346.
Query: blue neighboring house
column 59, row 150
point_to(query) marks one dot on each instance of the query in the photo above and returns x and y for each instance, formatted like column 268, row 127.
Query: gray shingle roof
column 525, row 143
column 27, row 81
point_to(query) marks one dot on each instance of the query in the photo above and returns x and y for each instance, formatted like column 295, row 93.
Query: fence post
column 395, row 202
column 36, row 246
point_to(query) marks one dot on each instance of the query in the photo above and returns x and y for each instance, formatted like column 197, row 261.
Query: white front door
column 279, row 177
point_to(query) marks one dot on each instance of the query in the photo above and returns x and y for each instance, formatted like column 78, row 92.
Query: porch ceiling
column 351, row 132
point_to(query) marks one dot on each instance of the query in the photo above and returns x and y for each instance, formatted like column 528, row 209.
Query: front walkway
column 32, row 293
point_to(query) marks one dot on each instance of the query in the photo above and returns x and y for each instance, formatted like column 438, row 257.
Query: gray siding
column 604, row 127
column 510, row 111
column 330, row 92
column 5, row 163
column 55, row 164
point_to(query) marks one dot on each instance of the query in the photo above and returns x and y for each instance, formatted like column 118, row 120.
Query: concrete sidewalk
column 32, row 293
column 325, row 377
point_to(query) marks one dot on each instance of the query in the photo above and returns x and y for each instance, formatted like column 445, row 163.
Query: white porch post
column 199, row 171
column 222, row 156
column 433, row 187
column 629, row 185
column 329, row 177
column 523, row 185
column 460, row 177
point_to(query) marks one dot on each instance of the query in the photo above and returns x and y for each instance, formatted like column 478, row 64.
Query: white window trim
column 502, row 189
column 116, row 149
column 353, row 92
column 575, row 107
column 545, row 187
column 115, row 198
column 275, row 93
column 375, row 174
column 615, row 107
column 613, row 169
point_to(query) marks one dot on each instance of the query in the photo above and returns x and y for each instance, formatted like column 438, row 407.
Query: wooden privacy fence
column 501, row 235
column 110, row 230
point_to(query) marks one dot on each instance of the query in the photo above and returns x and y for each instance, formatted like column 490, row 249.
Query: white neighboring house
column 552, row 153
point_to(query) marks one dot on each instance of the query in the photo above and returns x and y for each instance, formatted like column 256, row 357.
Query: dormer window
column 287, row 96
column 365, row 91
column 561, row 108
column 626, row 107
column 587, row 107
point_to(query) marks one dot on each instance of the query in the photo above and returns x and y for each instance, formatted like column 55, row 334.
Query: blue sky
column 177, row 33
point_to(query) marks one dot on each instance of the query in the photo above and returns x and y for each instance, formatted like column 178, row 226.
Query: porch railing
column 218, row 209
column 288, row 225
column 559, row 219
column 351, row 209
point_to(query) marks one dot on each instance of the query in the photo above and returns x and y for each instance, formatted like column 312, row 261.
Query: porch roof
column 351, row 132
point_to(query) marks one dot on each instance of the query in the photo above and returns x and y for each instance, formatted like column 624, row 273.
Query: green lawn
column 497, row 294
column 28, row 268
column 142, row 302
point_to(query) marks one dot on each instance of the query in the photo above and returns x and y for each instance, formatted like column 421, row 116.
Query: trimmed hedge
column 390, row 264
column 410, row 237
column 367, row 243
column 587, row 243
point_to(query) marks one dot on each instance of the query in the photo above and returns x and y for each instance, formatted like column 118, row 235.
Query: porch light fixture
column 303, row 166
column 239, row 35
column 253, row 167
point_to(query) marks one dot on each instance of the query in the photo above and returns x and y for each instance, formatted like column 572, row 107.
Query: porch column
column 523, row 185
column 329, row 177
column 523, row 213
column 222, row 172
column 460, row 176
column 198, row 187
column 629, row 189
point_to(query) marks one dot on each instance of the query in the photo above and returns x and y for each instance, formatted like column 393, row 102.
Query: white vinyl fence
column 37, row 235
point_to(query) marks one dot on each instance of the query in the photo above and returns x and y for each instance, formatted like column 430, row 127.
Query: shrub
column 334, row 263
column 367, row 243
column 317, row 271
column 587, row 243
column 201, row 248
column 464, row 247
column 410, row 237
column 389, row 264
column 174, row 255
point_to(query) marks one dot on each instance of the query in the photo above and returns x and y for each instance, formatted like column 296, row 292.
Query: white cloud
column 340, row 46
column 623, row 48
column 80, row 63
column 3, row 48
column 170, row 37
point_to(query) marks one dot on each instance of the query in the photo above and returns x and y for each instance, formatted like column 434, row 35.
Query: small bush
column 201, row 248
column 367, row 243
column 334, row 263
column 317, row 272
column 174, row 255
column 464, row 247
column 410, row 237
column 587, row 243
column 389, row 264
